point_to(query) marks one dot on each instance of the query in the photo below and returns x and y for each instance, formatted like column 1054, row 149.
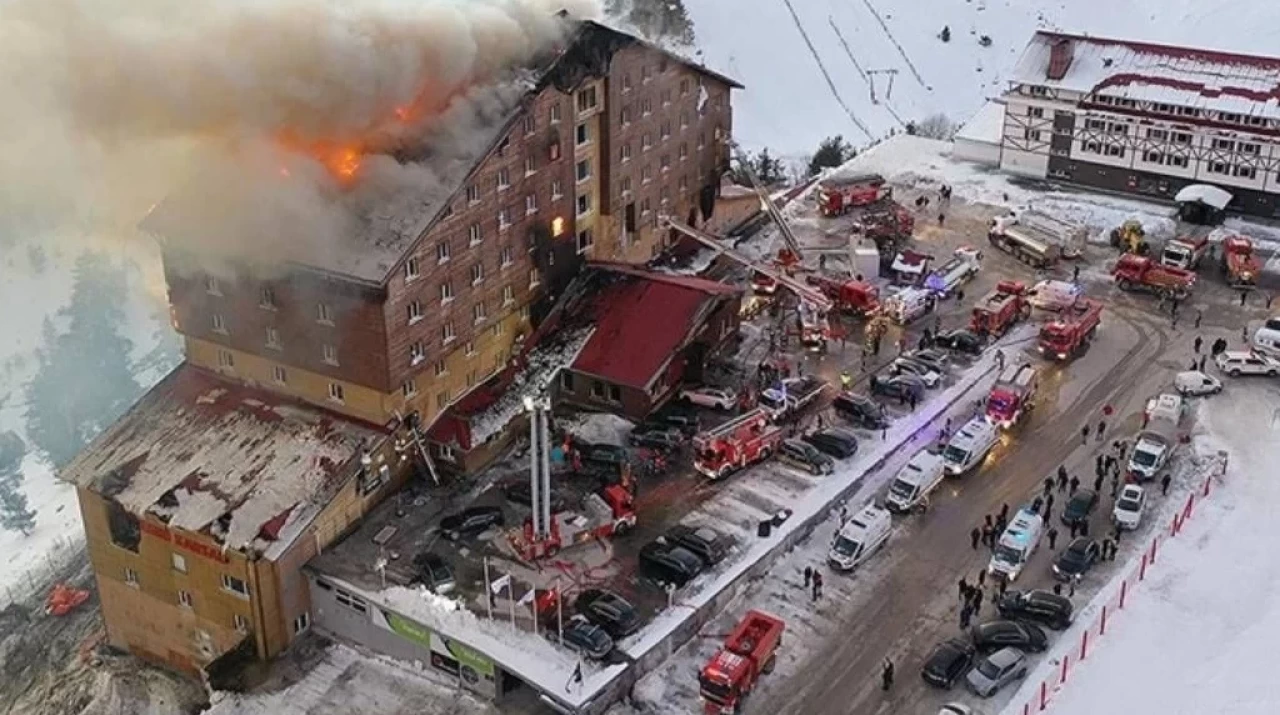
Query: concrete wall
column 1024, row 163
column 980, row 152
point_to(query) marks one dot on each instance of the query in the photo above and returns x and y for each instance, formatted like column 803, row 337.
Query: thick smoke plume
column 257, row 106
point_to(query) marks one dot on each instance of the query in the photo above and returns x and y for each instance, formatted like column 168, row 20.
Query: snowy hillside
column 788, row 106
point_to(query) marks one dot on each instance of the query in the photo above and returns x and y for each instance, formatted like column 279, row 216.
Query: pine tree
column 84, row 378
column 832, row 152
column 14, row 512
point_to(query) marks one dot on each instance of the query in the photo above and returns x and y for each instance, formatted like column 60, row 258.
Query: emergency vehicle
column 604, row 515
column 1012, row 396
column 742, row 441
column 749, row 652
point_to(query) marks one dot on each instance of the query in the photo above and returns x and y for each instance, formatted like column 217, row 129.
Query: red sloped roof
column 639, row 324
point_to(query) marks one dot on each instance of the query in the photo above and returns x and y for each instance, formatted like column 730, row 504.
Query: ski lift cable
column 826, row 75
column 832, row 21
column 894, row 40
column 865, row 73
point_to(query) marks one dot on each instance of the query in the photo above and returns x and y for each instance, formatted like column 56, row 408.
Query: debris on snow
column 541, row 367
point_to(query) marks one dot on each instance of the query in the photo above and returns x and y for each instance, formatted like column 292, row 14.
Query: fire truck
column 1241, row 264
column 838, row 194
column 749, row 438
column 849, row 296
column 963, row 266
column 604, row 515
column 748, row 652
column 1185, row 252
column 1133, row 272
column 1012, row 396
column 1073, row 330
column 1000, row 309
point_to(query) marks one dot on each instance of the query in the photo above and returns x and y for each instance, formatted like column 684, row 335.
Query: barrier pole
column 1102, row 631
column 1207, row 482
column 1155, row 545
column 1173, row 526
column 1026, row 709
column 1124, row 587
column 1044, row 695
column 1191, row 503
column 1066, row 658
column 1142, row 570
column 1084, row 646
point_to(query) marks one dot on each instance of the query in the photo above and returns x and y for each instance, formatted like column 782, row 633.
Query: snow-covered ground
column 788, row 106
column 1198, row 635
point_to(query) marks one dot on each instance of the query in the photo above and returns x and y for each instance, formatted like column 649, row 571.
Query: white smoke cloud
column 110, row 105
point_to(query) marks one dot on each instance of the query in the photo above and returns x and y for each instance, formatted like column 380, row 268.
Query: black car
column 1043, row 607
column 993, row 635
column 667, row 564
column 899, row 386
column 433, row 572
column 674, row 416
column 608, row 610
column 803, row 455
column 707, row 544
column 936, row 359
column 960, row 341
column 947, row 663
column 470, row 522
column 834, row 441
column 606, row 454
column 860, row 410
column 1080, row 556
column 1079, row 507
column 583, row 636
column 664, row 438
column 521, row 492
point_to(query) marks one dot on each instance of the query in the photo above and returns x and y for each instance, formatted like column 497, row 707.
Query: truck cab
column 914, row 482
column 1185, row 252
column 1016, row 545
column 907, row 305
column 1012, row 395
column 865, row 532
column 969, row 446
column 748, row 652
column 1157, row 440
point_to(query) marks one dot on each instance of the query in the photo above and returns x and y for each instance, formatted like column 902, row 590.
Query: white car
column 1127, row 513
column 1055, row 295
column 927, row 375
column 718, row 397
column 1237, row 363
column 957, row 709
column 1194, row 383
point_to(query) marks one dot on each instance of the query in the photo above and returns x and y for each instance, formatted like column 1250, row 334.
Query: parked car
column 860, row 410
column 1194, row 383
column 720, row 398
column 664, row 438
column 583, row 636
column 899, row 386
column 996, row 671
column 947, row 663
column 1043, row 607
column 1080, row 556
column 608, row 610
column 933, row 357
column 834, row 441
column 520, row 491
column 667, row 564
column 1237, row 363
column 433, row 572
column 904, row 365
column 1127, row 513
column 704, row 542
column 471, row 522
column 803, row 455
column 957, row 709
column 960, row 341
column 994, row 635
column 606, row 454
column 1079, row 507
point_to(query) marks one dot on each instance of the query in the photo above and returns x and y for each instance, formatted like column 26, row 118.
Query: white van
column 1267, row 339
column 908, row 304
column 865, row 532
column 914, row 482
column 970, row 445
column 1016, row 545
column 1055, row 295
column 1193, row 383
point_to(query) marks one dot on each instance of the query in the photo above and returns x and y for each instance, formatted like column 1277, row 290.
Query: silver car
column 996, row 671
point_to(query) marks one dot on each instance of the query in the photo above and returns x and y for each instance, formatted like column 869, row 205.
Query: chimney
column 1060, row 54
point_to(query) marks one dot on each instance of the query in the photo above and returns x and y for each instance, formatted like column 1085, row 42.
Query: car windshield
column 1127, row 505
column 1008, row 554
column 1144, row 459
column 989, row 669
column 902, row 488
column 998, row 403
column 955, row 455
column 845, row 546
column 772, row 399
column 715, row 691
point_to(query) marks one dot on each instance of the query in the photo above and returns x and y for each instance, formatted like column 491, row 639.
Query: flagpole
column 488, row 593
column 511, row 597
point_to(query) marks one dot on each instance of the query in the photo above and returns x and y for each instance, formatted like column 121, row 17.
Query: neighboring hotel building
column 293, row 413
column 1144, row 118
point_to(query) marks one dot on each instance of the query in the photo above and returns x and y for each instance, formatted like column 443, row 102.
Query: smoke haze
column 112, row 105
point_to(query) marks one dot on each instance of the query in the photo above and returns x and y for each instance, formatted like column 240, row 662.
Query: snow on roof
column 986, row 125
column 197, row 448
column 1207, row 79
column 1205, row 194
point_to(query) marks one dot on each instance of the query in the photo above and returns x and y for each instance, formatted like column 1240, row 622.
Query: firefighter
column 846, row 380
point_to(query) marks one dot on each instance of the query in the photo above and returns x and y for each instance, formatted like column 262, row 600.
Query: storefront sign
column 407, row 629
column 199, row 548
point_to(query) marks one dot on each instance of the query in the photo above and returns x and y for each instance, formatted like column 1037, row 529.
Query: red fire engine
column 849, row 296
column 1068, row 334
column 1241, row 263
column 1141, row 273
column 837, row 195
column 1012, row 396
column 749, row 651
column 742, row 441
column 609, row 513
column 1000, row 309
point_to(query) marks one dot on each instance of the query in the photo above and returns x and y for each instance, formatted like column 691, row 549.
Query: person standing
column 1075, row 274
column 817, row 585
column 963, row 588
column 1062, row 477
column 978, row 596
column 1004, row 512
column 966, row 613
column 808, row 576
column 1197, row 343
column 1102, row 427
column 974, row 536
column 1048, row 487
column 1073, row 485
column 982, row 577
column 1202, row 360
column 1075, row 529
column 1097, row 483
column 886, row 675
column 1164, row 485
column 1053, row 537
column 1084, row 435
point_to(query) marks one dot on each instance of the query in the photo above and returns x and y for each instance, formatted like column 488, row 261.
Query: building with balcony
column 1145, row 119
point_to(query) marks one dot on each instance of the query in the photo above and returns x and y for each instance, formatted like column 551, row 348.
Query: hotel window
column 241, row 623
column 1158, row 134
column 131, row 577
column 646, row 141
column 473, row 193
column 448, row 333
column 1245, row 172
column 504, row 179
column 474, row 235
column 417, row 353
column 234, row 585
column 1031, row 134
column 477, row 274
column 624, row 116
column 409, row 388
column 273, row 338
column 469, row 349
column 1096, row 125
column 329, row 354
column 504, row 219
column 442, row 252
column 478, row 313
column 446, row 291
column 1224, row 144
column 534, row 277
column 664, row 131
column 1115, row 150
column 324, row 314
column 624, row 185
column 684, row 151
column 267, row 298
column 1181, row 138
column 584, row 204
column 301, row 623
column 184, row 598
column 581, row 135
column 179, row 562
column 585, row 240
column 1218, row 167
column 507, row 257
column 1036, row 112
column 529, row 125
column 646, row 107
column 1174, row 160
column 226, row 359
column 219, row 325
column 414, row 310
column 587, row 100
column 411, row 269
column 684, row 86
column 442, row 401
column 584, row 170
column 508, row 295
column 529, row 167
column 440, row 368
column 557, row 190
column 1153, row 157
column 554, row 114
column 279, row 375
column 1246, row 148
column 211, row 286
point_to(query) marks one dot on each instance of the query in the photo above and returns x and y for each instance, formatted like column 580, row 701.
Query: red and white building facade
column 1145, row 118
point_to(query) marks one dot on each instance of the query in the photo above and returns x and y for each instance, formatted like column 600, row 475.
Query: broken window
column 123, row 526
